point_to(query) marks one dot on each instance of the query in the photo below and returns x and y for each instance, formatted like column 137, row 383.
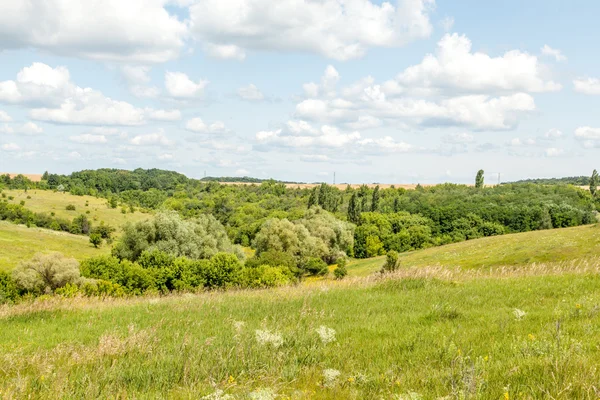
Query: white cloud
column 165, row 157
column 11, row 147
column 151, row 139
column 197, row 125
column 314, row 158
column 557, row 54
column 136, row 74
column 553, row 152
column 337, row 29
column 455, row 68
column 242, row 172
column 459, row 138
column 447, row 23
column 74, row 155
column 179, row 85
column 4, row 117
column 553, row 134
column 28, row 128
column 163, row 115
column 250, row 93
column 109, row 30
column 88, row 138
column 329, row 137
column 327, row 86
column 587, row 85
column 587, row 133
column 385, row 144
column 225, row 52
column 365, row 122
column 518, row 142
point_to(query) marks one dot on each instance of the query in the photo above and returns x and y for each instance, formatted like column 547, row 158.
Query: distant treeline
column 572, row 180
column 243, row 179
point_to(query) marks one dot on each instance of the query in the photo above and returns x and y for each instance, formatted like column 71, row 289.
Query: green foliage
column 96, row 239
column 375, row 199
column 594, row 181
column 316, row 267
column 224, row 270
column 266, row 276
column 197, row 238
column 80, row 225
column 340, row 272
column 46, row 272
column 70, row 207
column 479, row 179
column 354, row 209
column 392, row 262
column 9, row 291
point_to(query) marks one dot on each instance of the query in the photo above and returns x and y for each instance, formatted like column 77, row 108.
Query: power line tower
column 334, row 177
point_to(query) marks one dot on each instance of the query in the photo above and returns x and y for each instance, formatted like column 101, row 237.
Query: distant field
column 49, row 201
column 555, row 245
column 17, row 242
column 32, row 177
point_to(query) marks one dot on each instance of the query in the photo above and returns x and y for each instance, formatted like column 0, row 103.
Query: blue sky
column 401, row 92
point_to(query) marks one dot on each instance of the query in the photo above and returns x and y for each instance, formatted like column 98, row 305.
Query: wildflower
column 519, row 314
column 268, row 337
column 578, row 306
column 330, row 376
column 506, row 396
column 531, row 336
column 231, row 380
column 486, row 358
column 326, row 334
column 217, row 395
column 263, row 394
column 238, row 325
column 351, row 379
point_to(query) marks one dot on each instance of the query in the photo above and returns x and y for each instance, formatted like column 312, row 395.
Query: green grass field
column 49, row 201
column 555, row 245
column 495, row 337
column 17, row 242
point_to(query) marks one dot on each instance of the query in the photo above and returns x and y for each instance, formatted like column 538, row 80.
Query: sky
column 407, row 91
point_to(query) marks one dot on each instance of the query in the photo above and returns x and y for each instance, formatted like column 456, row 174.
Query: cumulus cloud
column 109, row 30
column 250, row 93
column 334, row 29
column 88, row 138
column 555, row 53
column 587, row 85
column 163, row 115
column 553, row 134
column 225, row 52
column 455, row 68
column 165, row 157
column 327, row 137
column 180, row 86
column 554, row 152
column 151, row 139
column 11, row 147
column 459, row 138
column 242, row 172
column 199, row 126
column 28, row 128
column 4, row 117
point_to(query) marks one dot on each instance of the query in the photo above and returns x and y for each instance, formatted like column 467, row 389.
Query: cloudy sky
column 404, row 91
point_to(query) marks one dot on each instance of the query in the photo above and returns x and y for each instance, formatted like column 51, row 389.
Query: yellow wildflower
column 578, row 306
column 531, row 336
column 351, row 379
column 231, row 379
column 506, row 396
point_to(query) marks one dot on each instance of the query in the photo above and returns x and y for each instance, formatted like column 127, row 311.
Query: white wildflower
column 519, row 314
column 218, row 395
column 326, row 334
column 330, row 376
column 267, row 337
column 263, row 394
column 238, row 326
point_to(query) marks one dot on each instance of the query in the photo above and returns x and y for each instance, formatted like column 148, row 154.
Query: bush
column 22, row 202
column 70, row 207
column 46, row 272
column 340, row 272
column 316, row 266
column 266, row 276
column 96, row 239
column 392, row 262
column 9, row 292
column 224, row 270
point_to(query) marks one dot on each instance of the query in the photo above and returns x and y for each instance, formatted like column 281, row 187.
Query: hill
column 17, row 242
column 547, row 246
column 55, row 202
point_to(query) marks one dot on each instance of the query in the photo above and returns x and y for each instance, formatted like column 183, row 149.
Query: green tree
column 392, row 261
column 479, row 179
column 313, row 199
column 354, row 209
column 96, row 239
column 375, row 199
column 594, row 183
column 46, row 272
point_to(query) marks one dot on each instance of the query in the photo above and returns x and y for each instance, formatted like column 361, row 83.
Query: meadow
column 424, row 333
column 17, row 243
column 47, row 201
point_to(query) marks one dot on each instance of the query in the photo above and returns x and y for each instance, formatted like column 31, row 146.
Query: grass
column 555, row 245
column 432, row 332
column 17, row 242
column 48, row 201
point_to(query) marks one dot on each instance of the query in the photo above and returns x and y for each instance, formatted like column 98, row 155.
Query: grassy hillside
column 48, row 201
column 554, row 245
column 450, row 336
column 17, row 242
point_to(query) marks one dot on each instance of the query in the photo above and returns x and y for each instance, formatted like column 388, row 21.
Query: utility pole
column 498, row 178
column 334, row 177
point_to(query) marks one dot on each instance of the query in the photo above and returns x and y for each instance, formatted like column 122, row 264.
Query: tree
column 479, row 179
column 354, row 209
column 96, row 239
column 45, row 176
column 375, row 199
column 594, row 180
column 392, row 262
column 46, row 272
column 314, row 198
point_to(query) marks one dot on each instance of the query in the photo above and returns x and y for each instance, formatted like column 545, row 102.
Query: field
column 549, row 246
column 48, row 201
column 433, row 333
column 17, row 242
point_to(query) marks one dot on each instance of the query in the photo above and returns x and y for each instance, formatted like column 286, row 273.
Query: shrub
column 266, row 276
column 96, row 239
column 46, row 272
column 104, row 230
column 22, row 202
column 316, row 266
column 28, row 197
column 224, row 270
column 340, row 272
column 70, row 207
column 392, row 261
column 80, row 225
column 9, row 292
